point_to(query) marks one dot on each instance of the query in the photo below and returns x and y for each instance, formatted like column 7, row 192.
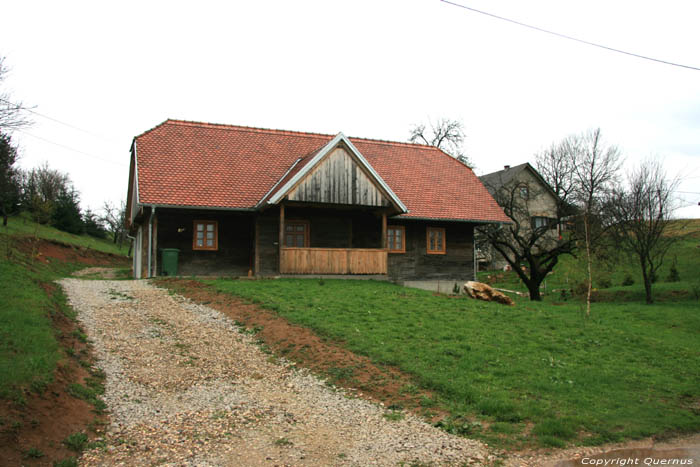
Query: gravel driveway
column 185, row 386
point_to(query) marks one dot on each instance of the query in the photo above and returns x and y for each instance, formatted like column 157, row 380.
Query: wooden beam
column 384, row 230
column 256, row 246
column 155, row 245
column 281, row 235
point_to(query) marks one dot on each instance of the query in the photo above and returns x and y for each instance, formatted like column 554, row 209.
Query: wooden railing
column 333, row 261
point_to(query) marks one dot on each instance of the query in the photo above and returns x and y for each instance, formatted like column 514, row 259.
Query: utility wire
column 564, row 36
column 70, row 148
column 56, row 120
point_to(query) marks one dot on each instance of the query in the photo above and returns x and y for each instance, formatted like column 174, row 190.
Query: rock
column 482, row 291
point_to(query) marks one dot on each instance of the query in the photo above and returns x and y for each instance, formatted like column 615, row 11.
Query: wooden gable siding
column 339, row 179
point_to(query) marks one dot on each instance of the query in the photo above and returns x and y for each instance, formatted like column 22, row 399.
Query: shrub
column 76, row 442
column 628, row 280
column 580, row 289
column 673, row 275
column 69, row 462
column 695, row 290
column 34, row 453
column 605, row 283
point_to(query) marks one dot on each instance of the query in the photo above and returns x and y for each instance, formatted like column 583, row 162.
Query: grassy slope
column 28, row 347
column 571, row 271
column 535, row 371
column 630, row 372
column 24, row 226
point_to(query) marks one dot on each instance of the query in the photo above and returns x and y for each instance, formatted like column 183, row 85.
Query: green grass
column 76, row 441
column 611, row 271
column 630, row 371
column 22, row 225
column 29, row 350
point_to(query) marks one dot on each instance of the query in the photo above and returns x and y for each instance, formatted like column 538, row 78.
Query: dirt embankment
column 34, row 424
column 47, row 251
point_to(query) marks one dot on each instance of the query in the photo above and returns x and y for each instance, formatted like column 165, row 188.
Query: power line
column 70, row 148
column 57, row 120
column 564, row 36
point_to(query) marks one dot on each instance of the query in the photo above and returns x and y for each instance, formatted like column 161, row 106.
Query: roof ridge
column 244, row 128
column 395, row 143
column 175, row 121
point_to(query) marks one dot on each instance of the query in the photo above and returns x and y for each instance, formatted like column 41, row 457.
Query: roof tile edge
column 253, row 129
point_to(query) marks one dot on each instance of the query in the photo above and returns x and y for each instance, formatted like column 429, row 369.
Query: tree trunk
column 586, row 227
column 4, row 217
column 534, row 290
column 646, row 277
column 647, row 290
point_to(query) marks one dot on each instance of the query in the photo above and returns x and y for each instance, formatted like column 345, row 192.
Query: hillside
column 616, row 274
column 44, row 356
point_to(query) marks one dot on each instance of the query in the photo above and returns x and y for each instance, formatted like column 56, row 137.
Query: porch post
column 384, row 230
column 256, row 247
column 281, row 235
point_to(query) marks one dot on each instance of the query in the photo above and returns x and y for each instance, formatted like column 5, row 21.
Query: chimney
column 506, row 167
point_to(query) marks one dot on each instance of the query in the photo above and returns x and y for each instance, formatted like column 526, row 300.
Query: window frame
column 549, row 223
column 307, row 232
column 524, row 192
column 430, row 251
column 215, row 247
column 391, row 228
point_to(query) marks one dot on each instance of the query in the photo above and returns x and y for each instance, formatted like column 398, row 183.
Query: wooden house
column 240, row 201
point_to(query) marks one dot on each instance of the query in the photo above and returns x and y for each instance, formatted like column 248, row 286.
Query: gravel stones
column 184, row 386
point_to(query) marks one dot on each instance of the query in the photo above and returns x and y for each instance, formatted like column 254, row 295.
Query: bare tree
column 557, row 165
column 114, row 218
column 445, row 134
column 596, row 166
column 12, row 113
column 640, row 214
column 538, row 245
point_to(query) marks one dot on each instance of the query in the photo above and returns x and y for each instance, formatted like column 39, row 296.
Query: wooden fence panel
column 333, row 261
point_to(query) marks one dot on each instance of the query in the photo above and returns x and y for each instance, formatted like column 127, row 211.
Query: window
column 205, row 235
column 436, row 241
column 396, row 239
column 524, row 192
column 539, row 222
column 296, row 234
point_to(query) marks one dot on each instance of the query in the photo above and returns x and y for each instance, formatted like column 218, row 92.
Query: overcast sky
column 112, row 70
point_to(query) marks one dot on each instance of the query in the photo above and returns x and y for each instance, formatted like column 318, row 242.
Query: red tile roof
column 210, row 165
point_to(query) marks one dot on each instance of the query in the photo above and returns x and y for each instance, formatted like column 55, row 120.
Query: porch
column 343, row 240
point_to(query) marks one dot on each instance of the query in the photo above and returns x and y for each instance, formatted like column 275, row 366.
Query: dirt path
column 186, row 387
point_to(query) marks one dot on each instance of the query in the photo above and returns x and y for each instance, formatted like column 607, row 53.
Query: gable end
column 339, row 179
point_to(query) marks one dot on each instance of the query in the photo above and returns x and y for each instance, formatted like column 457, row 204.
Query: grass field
column 534, row 374
column 28, row 347
column 612, row 271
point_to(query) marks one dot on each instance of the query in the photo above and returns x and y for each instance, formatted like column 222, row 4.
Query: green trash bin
column 169, row 258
